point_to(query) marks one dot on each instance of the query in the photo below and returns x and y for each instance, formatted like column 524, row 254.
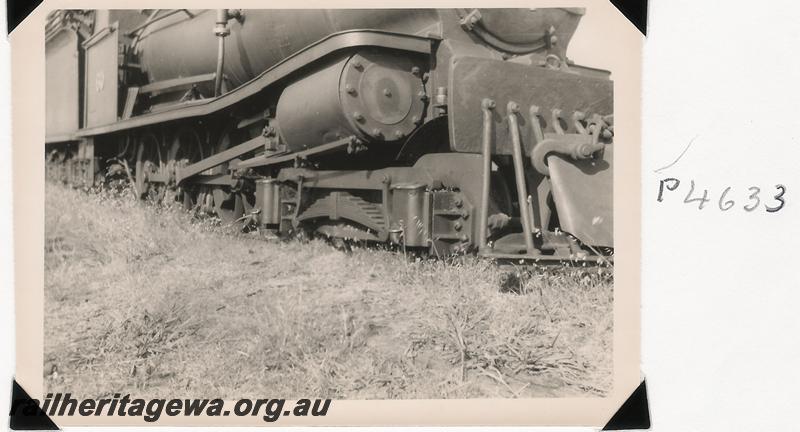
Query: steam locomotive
column 449, row 131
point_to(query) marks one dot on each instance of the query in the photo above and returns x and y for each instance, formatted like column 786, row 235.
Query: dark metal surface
column 261, row 39
column 519, row 175
column 101, row 78
column 583, row 192
column 62, row 86
column 261, row 161
column 522, row 31
column 474, row 79
column 309, row 112
column 372, row 94
column 487, row 106
column 290, row 65
column 290, row 91
column 219, row 158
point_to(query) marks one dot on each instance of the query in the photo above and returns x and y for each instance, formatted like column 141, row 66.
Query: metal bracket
column 519, row 174
column 472, row 18
column 487, row 106
column 576, row 146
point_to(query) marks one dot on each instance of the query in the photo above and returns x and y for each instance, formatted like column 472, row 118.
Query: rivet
column 350, row 89
column 358, row 116
column 387, row 92
column 415, row 71
column 377, row 133
column 357, row 64
column 457, row 226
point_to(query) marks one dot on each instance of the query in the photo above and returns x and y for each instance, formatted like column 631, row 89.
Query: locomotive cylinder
column 373, row 95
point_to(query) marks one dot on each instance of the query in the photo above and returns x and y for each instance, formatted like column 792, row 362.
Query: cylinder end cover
column 374, row 95
column 384, row 94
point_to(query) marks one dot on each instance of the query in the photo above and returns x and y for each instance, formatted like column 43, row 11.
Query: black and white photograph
column 348, row 204
column 538, row 214
column 328, row 216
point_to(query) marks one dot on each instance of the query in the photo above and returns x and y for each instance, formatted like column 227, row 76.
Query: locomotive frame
column 436, row 133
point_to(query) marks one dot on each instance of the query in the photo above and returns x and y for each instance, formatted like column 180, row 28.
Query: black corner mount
column 635, row 11
column 634, row 413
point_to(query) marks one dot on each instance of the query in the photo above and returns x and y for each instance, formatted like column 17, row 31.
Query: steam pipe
column 220, row 66
column 221, row 30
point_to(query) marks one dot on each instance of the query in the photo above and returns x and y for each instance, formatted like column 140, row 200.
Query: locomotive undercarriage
column 401, row 162
column 433, row 205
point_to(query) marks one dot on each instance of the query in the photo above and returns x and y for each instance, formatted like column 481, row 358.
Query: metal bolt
column 489, row 104
column 398, row 134
column 458, row 202
column 513, row 107
column 422, row 96
column 415, row 71
column 358, row 116
column 553, row 39
column 387, row 92
column 357, row 64
column 350, row 89
column 457, row 226
column 377, row 133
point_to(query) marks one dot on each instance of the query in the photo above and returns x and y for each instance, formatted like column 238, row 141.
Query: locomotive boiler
column 444, row 130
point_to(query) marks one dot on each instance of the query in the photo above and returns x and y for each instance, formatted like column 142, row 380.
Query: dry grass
column 148, row 301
